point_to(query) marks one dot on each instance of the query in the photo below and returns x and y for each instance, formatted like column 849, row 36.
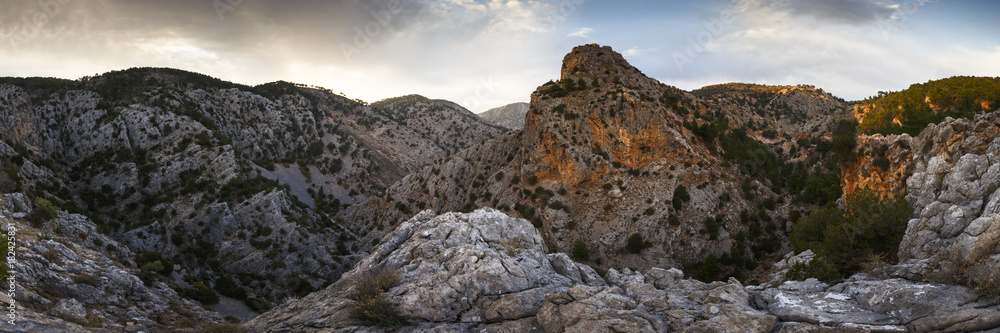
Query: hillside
column 510, row 116
column 237, row 186
column 639, row 174
column 911, row 110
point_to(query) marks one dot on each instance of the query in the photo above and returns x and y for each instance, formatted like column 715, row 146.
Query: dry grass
column 973, row 272
column 876, row 266
column 372, row 307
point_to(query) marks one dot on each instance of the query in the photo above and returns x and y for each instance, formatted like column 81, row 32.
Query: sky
column 489, row 53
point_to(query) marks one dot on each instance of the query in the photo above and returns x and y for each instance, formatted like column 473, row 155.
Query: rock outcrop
column 955, row 193
column 78, row 278
column 950, row 174
column 487, row 272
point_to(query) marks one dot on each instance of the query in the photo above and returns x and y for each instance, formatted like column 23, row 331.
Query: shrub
column 44, row 211
column 372, row 307
column 201, row 293
column 709, row 270
column 876, row 266
column 674, row 220
column 712, row 226
column 818, row 268
column 228, row 287
column 580, row 252
column 682, row 193
column 869, row 224
column 635, row 243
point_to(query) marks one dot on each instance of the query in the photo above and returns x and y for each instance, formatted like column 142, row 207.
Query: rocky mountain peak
column 602, row 113
column 592, row 60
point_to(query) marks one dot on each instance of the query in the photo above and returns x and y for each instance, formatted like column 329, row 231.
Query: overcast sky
column 484, row 54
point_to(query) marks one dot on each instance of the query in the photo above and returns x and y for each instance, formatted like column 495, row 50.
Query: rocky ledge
column 488, row 272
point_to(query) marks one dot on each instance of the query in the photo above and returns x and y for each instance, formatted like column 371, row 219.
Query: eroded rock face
column 464, row 273
column 950, row 174
column 468, row 270
column 954, row 192
column 883, row 164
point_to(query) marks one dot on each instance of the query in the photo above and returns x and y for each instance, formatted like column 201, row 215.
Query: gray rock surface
column 509, row 116
column 955, row 192
column 460, row 273
column 79, row 277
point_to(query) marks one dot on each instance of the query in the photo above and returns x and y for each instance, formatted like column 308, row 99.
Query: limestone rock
column 69, row 309
column 509, row 116
column 455, row 269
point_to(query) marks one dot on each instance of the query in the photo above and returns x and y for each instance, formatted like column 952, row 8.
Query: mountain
column 158, row 199
column 204, row 186
column 640, row 174
column 510, row 116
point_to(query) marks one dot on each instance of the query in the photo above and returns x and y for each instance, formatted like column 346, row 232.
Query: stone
column 69, row 309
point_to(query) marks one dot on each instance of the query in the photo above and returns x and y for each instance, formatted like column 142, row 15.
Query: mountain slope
column 238, row 185
column 912, row 109
column 609, row 157
column 509, row 116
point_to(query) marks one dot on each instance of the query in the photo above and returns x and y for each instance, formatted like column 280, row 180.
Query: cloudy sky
column 488, row 53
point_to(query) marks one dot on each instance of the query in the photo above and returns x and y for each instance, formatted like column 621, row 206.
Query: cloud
column 852, row 12
column 581, row 32
column 369, row 49
column 780, row 42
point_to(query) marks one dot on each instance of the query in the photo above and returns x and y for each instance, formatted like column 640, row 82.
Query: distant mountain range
column 510, row 116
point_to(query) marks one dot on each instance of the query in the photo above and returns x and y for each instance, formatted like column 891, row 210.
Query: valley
column 609, row 201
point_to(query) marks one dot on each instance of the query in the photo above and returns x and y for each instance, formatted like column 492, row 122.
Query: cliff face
column 954, row 192
column 949, row 174
column 883, row 164
column 619, row 116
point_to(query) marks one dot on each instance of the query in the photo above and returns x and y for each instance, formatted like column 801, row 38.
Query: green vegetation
column 712, row 226
column 201, row 293
column 870, row 224
column 372, row 307
column 818, row 268
column 40, row 86
column 580, row 252
column 930, row 102
column 226, row 286
column 709, row 270
column 44, row 211
column 635, row 244
column 680, row 196
column 563, row 87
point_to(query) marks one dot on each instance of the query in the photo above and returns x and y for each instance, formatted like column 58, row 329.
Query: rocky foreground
column 488, row 272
